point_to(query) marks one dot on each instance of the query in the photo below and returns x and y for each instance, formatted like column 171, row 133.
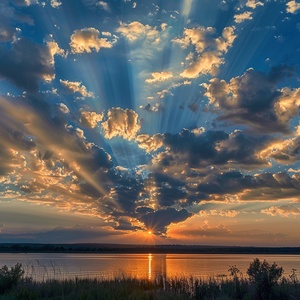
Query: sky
column 160, row 121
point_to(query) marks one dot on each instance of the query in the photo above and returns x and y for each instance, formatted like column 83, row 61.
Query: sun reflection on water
column 149, row 266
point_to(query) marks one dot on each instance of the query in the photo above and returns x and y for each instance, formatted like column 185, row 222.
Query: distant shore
column 136, row 249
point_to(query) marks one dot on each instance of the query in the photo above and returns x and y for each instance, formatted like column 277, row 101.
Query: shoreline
column 142, row 249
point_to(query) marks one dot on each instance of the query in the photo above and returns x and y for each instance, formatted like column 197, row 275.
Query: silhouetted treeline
column 119, row 248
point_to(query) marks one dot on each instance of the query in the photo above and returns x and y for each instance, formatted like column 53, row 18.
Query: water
column 62, row 266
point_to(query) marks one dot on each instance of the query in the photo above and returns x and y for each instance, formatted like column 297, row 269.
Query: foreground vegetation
column 264, row 281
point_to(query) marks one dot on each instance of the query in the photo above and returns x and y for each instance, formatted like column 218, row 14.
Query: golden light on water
column 149, row 266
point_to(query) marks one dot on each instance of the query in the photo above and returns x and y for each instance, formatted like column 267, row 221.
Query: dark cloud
column 285, row 151
column 265, row 186
column 159, row 220
column 213, row 148
column 26, row 64
column 253, row 99
column 168, row 190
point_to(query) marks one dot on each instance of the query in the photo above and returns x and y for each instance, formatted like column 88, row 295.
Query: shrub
column 264, row 276
column 10, row 277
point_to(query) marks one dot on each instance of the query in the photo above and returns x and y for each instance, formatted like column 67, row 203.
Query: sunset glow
column 150, row 122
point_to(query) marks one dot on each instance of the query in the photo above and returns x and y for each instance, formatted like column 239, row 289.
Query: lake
column 68, row 265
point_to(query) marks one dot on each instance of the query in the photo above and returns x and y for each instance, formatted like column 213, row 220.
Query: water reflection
column 41, row 266
column 157, row 265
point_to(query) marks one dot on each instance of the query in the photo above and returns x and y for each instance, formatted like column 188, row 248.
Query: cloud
column 150, row 143
column 90, row 118
column 264, row 186
column 103, row 5
column 27, row 63
column 202, row 149
column 76, row 87
column 64, row 108
column 292, row 7
column 247, row 15
column 209, row 233
column 159, row 220
column 136, row 30
column 24, row 2
column 55, row 3
column 291, row 170
column 87, row 39
column 223, row 213
column 75, row 234
column 283, row 211
column 254, row 100
column 120, row 122
column 209, row 49
column 7, row 33
column 208, row 63
column 56, row 152
column 153, row 108
column 166, row 189
column 159, row 77
column 283, row 151
column 254, row 3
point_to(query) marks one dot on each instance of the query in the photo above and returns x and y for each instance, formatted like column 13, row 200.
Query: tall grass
column 264, row 283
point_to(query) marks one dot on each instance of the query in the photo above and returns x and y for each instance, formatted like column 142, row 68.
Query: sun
column 149, row 232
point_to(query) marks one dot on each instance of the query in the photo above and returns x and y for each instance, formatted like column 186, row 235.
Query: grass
column 263, row 283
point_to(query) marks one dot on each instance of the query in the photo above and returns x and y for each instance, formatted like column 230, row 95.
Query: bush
column 10, row 277
column 264, row 276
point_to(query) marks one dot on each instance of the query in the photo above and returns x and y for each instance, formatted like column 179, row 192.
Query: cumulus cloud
column 55, row 152
column 55, row 3
column 159, row 76
column 293, row 7
column 247, row 15
column 201, row 149
column 253, row 99
column 150, row 143
column 87, row 39
column 254, row 3
column 76, row 87
column 283, row 211
column 136, row 30
column 209, row 49
column 120, row 122
column 90, row 118
column 264, row 186
column 206, row 63
column 27, row 63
